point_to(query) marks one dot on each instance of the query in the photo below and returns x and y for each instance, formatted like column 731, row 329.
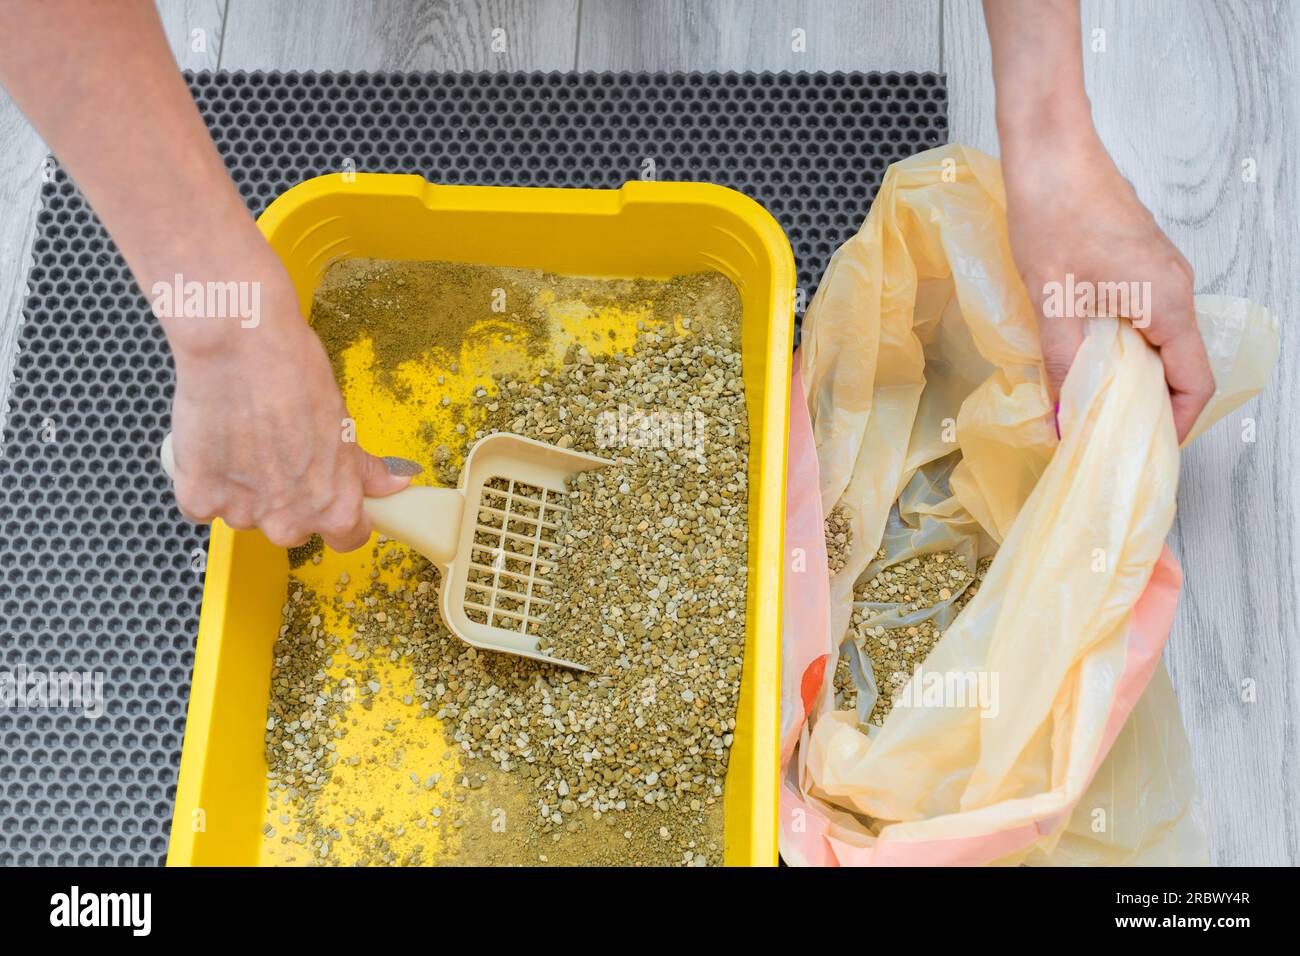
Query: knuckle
column 1208, row 387
column 343, row 515
column 354, row 535
column 319, row 503
column 195, row 502
column 239, row 517
column 342, row 528
column 1178, row 278
column 283, row 530
column 279, row 494
column 349, row 541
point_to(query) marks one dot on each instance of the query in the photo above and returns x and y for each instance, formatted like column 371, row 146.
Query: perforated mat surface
column 96, row 566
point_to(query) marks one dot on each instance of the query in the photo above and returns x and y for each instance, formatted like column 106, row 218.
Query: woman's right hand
column 261, row 437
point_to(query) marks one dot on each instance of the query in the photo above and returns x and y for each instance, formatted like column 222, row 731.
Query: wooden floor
column 1184, row 94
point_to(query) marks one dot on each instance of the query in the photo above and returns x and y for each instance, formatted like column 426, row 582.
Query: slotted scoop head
column 494, row 539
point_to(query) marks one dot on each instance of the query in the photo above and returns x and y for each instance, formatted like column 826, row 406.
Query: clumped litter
column 912, row 585
column 532, row 763
column 306, row 552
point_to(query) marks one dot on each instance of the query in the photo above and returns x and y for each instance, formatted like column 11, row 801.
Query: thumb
column 384, row 476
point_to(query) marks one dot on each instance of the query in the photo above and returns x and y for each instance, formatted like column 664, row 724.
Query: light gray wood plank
column 740, row 35
column 968, row 62
column 193, row 28
column 1182, row 95
column 21, row 174
column 400, row 35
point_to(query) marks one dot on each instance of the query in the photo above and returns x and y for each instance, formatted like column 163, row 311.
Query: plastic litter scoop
column 496, row 555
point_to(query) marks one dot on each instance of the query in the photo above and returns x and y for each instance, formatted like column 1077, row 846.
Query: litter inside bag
column 921, row 372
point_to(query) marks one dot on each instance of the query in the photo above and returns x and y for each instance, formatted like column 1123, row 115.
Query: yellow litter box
column 653, row 230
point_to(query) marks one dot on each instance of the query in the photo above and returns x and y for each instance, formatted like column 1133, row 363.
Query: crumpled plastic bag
column 920, row 377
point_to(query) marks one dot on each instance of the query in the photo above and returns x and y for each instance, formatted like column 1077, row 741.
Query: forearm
column 97, row 80
column 1038, row 75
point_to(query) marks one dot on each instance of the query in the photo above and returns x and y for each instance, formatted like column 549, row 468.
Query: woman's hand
column 260, row 434
column 1073, row 219
column 1076, row 223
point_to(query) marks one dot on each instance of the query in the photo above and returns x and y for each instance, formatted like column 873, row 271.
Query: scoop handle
column 426, row 519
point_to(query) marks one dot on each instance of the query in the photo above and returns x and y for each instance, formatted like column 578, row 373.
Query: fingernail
column 1056, row 419
column 402, row 467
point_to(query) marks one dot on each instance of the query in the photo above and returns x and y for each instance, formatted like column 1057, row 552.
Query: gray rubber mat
column 96, row 565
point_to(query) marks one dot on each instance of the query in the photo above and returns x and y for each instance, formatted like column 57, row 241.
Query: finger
column 349, row 541
column 1182, row 352
column 1190, row 379
column 346, row 526
column 1059, row 338
column 239, row 518
column 1171, row 310
column 193, row 516
column 380, row 477
column 195, row 506
column 284, row 530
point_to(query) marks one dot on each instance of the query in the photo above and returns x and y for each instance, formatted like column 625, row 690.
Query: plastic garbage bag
column 919, row 409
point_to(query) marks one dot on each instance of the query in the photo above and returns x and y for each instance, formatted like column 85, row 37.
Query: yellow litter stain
column 377, row 792
column 602, row 331
column 322, row 577
column 388, row 424
column 391, row 424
